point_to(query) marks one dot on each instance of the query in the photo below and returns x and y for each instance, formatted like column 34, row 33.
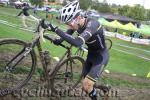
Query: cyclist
column 25, row 14
column 90, row 32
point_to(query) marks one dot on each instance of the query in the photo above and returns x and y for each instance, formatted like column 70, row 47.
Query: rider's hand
column 52, row 28
column 57, row 41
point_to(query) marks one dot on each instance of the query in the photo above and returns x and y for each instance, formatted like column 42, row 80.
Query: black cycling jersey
column 91, row 33
column 24, row 11
column 96, row 41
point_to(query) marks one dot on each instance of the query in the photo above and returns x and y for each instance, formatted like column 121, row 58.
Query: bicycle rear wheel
column 14, row 71
column 68, row 73
column 108, row 43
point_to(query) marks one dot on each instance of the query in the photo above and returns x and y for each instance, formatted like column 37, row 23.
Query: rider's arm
column 91, row 28
column 20, row 13
column 69, row 31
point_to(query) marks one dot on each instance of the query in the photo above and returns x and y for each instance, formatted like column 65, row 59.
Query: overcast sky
column 146, row 3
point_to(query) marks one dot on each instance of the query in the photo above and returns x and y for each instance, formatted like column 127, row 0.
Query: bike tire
column 108, row 43
column 57, row 69
column 16, row 43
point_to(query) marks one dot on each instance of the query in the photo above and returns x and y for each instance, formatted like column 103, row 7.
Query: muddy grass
column 122, row 91
column 123, row 87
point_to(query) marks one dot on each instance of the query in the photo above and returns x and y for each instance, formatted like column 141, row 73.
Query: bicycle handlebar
column 41, row 32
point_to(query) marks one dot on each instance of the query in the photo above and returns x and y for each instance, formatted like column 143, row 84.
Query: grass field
column 125, row 57
column 119, row 61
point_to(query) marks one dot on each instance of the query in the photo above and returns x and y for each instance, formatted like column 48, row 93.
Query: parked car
column 136, row 35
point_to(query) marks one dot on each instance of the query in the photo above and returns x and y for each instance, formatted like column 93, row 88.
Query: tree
column 37, row 2
column 114, row 10
column 51, row 0
column 101, row 7
column 137, row 12
column 105, row 2
column 148, row 15
column 123, row 10
column 84, row 4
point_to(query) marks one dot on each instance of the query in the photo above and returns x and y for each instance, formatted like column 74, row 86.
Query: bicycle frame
column 30, row 46
column 44, row 65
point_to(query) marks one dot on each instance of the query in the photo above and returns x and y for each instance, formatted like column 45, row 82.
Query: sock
column 92, row 94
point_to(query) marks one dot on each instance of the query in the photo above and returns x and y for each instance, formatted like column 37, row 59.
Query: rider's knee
column 87, row 85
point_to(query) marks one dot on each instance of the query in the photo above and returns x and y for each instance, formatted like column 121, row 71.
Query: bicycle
column 18, row 62
column 61, row 75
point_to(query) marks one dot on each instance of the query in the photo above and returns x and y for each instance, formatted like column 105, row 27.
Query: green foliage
column 123, row 10
column 37, row 2
column 85, row 4
column 114, row 10
column 137, row 12
column 148, row 14
column 101, row 7
column 104, row 8
column 51, row 0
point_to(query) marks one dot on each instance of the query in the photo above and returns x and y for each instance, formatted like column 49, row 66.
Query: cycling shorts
column 94, row 64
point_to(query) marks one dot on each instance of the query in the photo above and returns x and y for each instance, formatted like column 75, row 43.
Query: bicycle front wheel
column 15, row 70
column 68, row 73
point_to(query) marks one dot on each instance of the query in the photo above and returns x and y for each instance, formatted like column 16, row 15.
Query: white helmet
column 68, row 12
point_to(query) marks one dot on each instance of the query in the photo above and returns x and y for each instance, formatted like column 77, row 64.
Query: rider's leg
column 34, row 18
column 24, row 21
column 96, row 62
column 91, row 78
column 87, row 85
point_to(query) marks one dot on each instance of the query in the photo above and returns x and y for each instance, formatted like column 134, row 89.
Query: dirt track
column 122, row 92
